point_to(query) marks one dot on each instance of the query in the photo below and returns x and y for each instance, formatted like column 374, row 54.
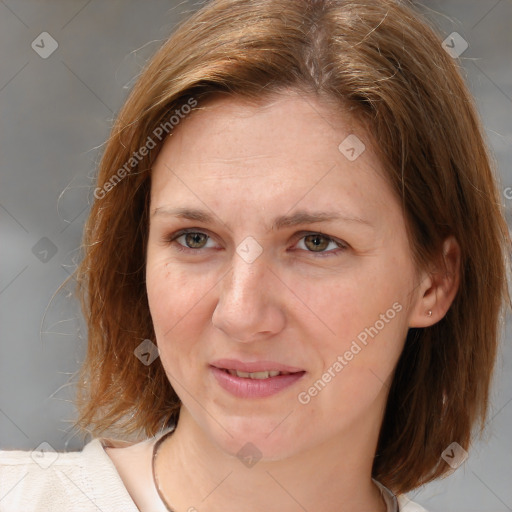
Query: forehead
column 276, row 151
column 232, row 129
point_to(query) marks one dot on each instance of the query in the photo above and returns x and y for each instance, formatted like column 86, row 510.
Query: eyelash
column 169, row 239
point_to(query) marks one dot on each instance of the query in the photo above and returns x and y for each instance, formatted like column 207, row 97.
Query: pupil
column 194, row 239
column 317, row 242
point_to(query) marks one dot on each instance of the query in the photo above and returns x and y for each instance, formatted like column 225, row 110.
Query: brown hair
column 387, row 66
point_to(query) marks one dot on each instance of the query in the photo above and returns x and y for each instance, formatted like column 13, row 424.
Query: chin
column 258, row 438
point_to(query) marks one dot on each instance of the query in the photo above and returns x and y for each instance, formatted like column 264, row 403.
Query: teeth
column 257, row 375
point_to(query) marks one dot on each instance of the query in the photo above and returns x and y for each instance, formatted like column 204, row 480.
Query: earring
column 429, row 313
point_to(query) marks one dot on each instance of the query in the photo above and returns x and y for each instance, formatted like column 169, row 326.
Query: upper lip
column 256, row 366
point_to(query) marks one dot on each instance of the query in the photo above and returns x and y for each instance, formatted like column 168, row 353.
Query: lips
column 255, row 385
column 254, row 367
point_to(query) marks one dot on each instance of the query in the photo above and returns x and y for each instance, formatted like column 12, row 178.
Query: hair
column 383, row 63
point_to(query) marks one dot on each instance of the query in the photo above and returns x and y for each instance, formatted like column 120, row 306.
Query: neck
column 195, row 474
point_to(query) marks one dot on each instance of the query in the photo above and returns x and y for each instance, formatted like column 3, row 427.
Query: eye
column 194, row 241
column 318, row 243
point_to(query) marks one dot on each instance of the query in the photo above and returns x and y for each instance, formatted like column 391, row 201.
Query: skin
column 246, row 165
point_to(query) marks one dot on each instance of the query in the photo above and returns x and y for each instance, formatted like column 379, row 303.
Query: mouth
column 254, row 380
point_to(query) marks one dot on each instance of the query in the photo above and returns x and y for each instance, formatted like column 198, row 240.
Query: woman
column 294, row 272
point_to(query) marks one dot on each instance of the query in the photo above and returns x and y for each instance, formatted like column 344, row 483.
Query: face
column 299, row 260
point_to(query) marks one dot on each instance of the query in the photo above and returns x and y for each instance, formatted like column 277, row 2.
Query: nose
column 248, row 307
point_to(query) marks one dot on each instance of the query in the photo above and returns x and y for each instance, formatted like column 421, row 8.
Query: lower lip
column 254, row 388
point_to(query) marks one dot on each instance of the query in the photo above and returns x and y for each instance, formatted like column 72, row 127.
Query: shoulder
column 401, row 501
column 406, row 505
column 47, row 480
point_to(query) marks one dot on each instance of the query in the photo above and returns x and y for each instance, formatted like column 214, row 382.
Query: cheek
column 355, row 363
column 173, row 294
column 360, row 314
column 178, row 316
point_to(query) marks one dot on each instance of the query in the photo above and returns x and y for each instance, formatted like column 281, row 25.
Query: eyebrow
column 283, row 221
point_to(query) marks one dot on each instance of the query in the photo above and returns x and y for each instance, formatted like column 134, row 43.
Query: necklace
column 155, row 479
column 391, row 501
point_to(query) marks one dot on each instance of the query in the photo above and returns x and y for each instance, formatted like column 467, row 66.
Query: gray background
column 55, row 116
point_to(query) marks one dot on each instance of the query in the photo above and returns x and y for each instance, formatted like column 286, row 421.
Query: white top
column 85, row 481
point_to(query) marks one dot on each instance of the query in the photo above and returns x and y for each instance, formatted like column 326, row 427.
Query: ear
column 438, row 287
